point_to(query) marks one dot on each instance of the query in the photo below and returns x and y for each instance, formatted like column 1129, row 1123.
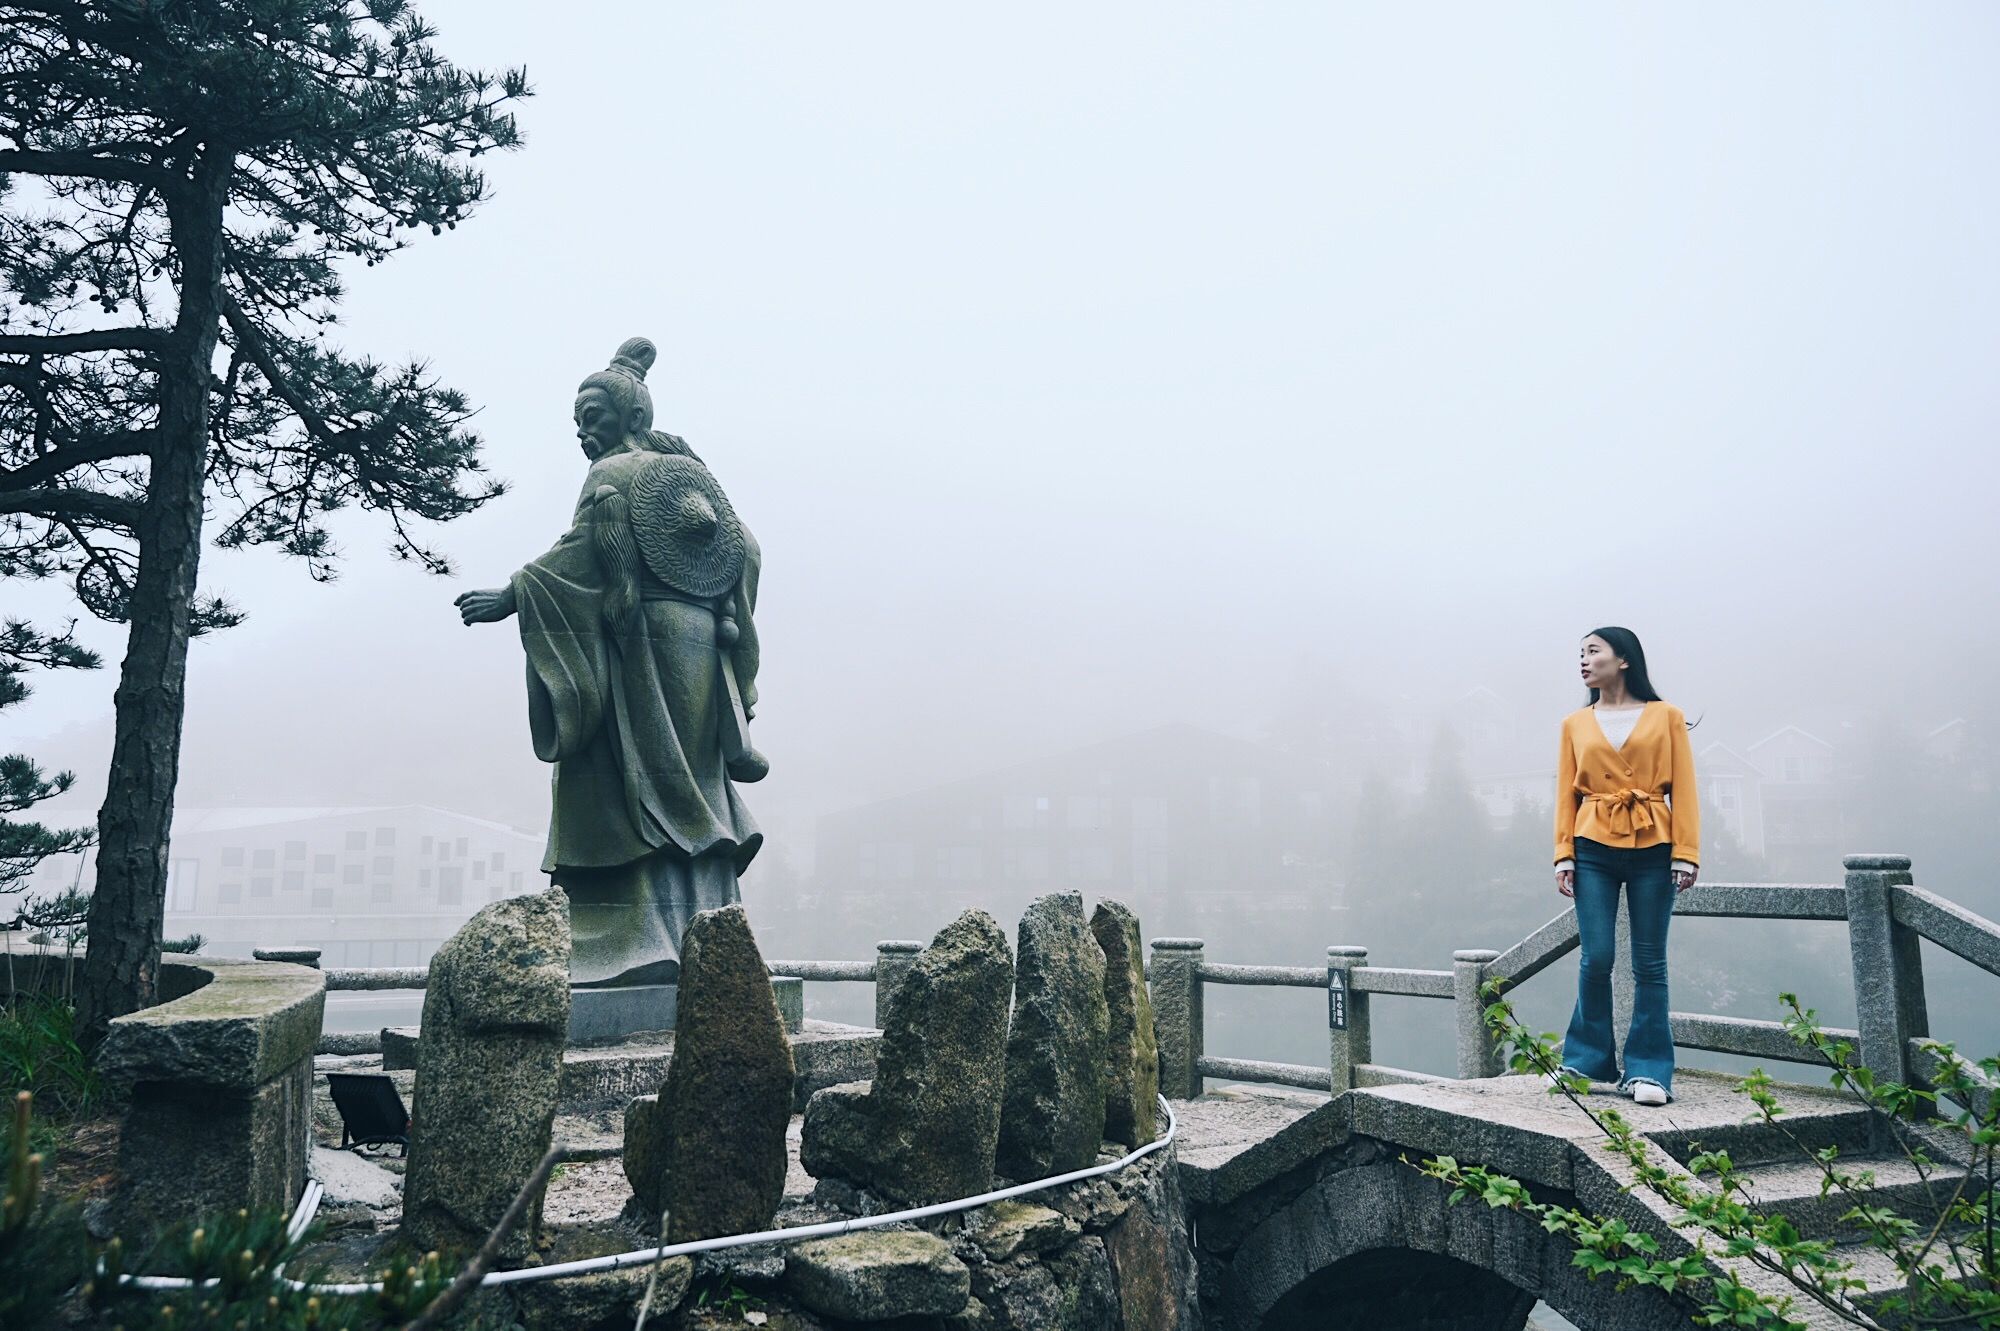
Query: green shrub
column 39, row 1053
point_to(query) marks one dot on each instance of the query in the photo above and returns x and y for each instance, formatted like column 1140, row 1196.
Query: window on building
column 322, row 898
column 322, row 864
column 264, row 859
column 295, row 850
column 424, row 846
column 451, row 886
column 1087, row 811
column 958, row 864
column 232, row 857
column 229, row 894
column 295, row 880
column 385, row 836
column 459, row 849
column 1092, row 863
column 424, row 879
column 357, row 840
column 350, row 873
column 380, row 893
column 514, row 881
column 383, row 864
column 499, row 860
column 1026, row 864
column 479, row 871
column 260, row 887
column 1795, row 769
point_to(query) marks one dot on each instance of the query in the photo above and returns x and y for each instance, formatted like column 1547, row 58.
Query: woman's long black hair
column 1625, row 646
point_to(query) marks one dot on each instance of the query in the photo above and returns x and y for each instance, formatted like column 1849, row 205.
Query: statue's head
column 613, row 404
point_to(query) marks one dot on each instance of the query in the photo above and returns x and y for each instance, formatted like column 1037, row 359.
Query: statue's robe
column 647, row 828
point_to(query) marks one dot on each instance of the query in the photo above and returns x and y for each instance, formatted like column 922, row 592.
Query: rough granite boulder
column 927, row 1129
column 835, row 1139
column 728, row 1095
column 645, row 1155
column 878, row 1275
column 1006, row 1229
column 941, row 1068
column 1052, row 1115
column 1131, row 1050
column 599, row 1300
column 496, row 1015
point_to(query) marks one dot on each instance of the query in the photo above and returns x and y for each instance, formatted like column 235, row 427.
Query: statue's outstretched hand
column 486, row 607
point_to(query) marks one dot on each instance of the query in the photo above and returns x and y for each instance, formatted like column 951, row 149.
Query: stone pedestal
column 600, row 1016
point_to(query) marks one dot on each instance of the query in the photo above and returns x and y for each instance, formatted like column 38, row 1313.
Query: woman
column 1625, row 814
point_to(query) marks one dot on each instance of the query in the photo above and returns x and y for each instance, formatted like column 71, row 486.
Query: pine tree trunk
column 121, row 964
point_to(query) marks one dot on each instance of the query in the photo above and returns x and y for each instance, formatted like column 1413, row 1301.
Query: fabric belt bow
column 1628, row 811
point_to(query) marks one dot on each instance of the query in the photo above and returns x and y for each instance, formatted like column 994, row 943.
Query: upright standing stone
column 1131, row 1050
column 935, row 1107
column 1052, row 1116
column 728, row 1096
column 489, row 1070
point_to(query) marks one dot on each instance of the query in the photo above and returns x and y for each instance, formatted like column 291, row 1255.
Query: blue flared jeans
column 1647, row 877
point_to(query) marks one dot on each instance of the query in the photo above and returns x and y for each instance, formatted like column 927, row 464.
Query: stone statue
column 642, row 678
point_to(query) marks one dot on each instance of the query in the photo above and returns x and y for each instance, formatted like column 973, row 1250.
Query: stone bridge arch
column 1375, row 1245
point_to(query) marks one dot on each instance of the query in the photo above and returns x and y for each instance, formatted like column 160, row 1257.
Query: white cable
column 309, row 1204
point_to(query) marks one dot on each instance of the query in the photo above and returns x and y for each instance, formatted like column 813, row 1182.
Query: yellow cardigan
column 1619, row 797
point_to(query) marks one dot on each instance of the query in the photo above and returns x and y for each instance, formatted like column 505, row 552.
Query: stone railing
column 893, row 959
column 1886, row 916
column 218, row 1089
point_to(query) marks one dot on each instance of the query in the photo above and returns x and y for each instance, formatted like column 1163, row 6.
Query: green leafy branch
column 1948, row 1268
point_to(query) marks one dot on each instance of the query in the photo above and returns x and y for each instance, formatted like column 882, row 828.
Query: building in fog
column 1177, row 820
column 369, row 886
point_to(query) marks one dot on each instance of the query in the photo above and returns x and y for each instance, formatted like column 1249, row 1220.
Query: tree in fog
column 179, row 183
column 23, row 784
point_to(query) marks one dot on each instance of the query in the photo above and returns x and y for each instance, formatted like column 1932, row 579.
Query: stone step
column 1881, row 1275
column 1792, row 1189
column 1756, row 1142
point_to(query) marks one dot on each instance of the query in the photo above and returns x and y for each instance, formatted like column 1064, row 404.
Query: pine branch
column 68, row 501
column 155, row 340
column 89, row 166
column 133, row 443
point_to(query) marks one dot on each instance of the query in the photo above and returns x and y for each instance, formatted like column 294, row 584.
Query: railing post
column 1478, row 1052
column 1175, row 977
column 893, row 959
column 1349, row 1041
column 1888, row 967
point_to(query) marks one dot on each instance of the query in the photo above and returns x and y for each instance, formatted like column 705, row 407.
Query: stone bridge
column 1302, row 1203
column 1305, row 1210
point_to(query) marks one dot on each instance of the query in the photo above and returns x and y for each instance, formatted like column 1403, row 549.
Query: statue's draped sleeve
column 559, row 599
column 743, row 605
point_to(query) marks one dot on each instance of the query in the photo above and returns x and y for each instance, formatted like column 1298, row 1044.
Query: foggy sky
column 1084, row 368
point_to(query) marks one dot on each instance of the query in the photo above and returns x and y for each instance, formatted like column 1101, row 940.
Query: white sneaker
column 1648, row 1093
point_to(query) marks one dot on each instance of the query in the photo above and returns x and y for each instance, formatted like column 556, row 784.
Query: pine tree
column 23, row 784
column 180, row 183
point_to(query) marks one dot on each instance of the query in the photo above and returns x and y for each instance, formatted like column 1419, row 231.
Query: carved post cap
column 1346, row 950
column 1177, row 945
column 899, row 945
column 1480, row 954
column 1889, row 862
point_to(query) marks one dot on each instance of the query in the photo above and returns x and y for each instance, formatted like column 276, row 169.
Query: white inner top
column 1617, row 725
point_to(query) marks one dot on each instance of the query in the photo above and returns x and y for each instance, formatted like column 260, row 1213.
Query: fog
column 1290, row 374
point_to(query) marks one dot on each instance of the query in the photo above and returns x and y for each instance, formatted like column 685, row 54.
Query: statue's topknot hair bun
column 635, row 356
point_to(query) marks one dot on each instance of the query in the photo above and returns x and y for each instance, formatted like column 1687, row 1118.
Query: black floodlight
column 371, row 1113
